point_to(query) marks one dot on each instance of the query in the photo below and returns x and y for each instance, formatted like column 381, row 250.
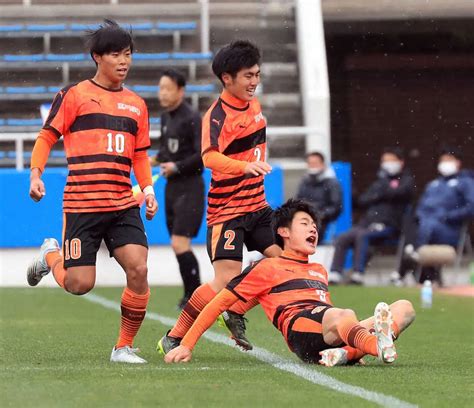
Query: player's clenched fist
column 151, row 206
column 179, row 354
column 258, row 168
column 37, row 190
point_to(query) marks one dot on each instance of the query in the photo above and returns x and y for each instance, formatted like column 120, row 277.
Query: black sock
column 189, row 269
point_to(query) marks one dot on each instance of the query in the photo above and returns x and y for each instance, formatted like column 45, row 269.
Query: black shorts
column 226, row 240
column 84, row 232
column 303, row 337
column 184, row 205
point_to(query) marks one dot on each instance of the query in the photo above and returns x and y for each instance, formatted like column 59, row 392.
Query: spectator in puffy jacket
column 321, row 188
column 442, row 209
column 385, row 202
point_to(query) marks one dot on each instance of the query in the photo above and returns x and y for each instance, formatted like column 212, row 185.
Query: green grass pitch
column 55, row 349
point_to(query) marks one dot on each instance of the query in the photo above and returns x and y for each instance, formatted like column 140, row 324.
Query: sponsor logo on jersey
column 131, row 108
column 258, row 117
column 317, row 274
column 318, row 309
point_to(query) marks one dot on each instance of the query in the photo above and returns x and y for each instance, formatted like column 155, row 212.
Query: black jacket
column 386, row 199
column 324, row 192
column 180, row 140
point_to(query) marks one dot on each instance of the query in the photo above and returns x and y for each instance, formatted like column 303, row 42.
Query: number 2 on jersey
column 258, row 152
column 229, row 235
column 118, row 146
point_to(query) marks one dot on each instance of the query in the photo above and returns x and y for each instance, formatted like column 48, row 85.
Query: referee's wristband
column 148, row 190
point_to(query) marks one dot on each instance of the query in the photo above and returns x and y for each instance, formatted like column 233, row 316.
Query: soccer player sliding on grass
column 294, row 295
column 105, row 130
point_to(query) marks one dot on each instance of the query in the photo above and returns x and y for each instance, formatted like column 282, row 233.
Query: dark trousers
column 359, row 238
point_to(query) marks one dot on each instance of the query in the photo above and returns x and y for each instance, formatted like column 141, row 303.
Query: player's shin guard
column 200, row 298
column 242, row 307
column 357, row 336
column 133, row 308
column 55, row 262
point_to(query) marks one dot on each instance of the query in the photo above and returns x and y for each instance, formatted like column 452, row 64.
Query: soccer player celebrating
column 294, row 295
column 105, row 130
column 233, row 147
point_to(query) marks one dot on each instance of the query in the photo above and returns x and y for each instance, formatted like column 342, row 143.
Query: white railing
column 273, row 133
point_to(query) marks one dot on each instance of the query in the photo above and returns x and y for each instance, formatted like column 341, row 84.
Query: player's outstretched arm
column 206, row 318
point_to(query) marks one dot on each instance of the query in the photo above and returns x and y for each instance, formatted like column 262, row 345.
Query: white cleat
column 383, row 330
column 334, row 277
column 333, row 357
column 126, row 354
column 38, row 267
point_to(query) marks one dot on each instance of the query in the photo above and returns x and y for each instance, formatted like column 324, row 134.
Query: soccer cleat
column 235, row 323
column 126, row 354
column 38, row 267
column 167, row 343
column 334, row 277
column 333, row 357
column 383, row 330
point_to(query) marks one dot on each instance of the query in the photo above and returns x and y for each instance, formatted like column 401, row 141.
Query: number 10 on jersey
column 115, row 144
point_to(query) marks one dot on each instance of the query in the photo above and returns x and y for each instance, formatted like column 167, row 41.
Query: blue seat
column 45, row 27
column 191, row 55
column 54, row 89
column 11, row 28
column 185, row 25
column 24, row 89
column 152, row 152
column 65, row 57
column 142, row 26
column 83, row 27
column 155, row 121
column 2, row 122
column 24, row 122
column 23, row 58
column 143, row 56
column 200, row 88
column 57, row 154
column 145, row 88
column 3, row 154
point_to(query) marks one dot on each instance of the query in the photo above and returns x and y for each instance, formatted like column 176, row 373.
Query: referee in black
column 179, row 157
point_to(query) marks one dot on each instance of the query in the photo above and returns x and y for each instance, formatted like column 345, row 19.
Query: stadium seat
column 24, row 122
column 23, row 58
column 45, row 27
column 83, row 27
column 142, row 26
column 11, row 28
column 66, row 57
column 185, row 25
column 142, row 56
column 155, row 121
column 24, row 89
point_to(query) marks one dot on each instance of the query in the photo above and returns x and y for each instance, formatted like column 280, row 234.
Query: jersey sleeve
column 212, row 125
column 143, row 134
column 63, row 112
column 252, row 282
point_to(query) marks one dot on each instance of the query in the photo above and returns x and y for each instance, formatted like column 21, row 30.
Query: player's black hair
column 109, row 37
column 176, row 76
column 318, row 154
column 234, row 57
column 451, row 150
column 283, row 216
column 396, row 151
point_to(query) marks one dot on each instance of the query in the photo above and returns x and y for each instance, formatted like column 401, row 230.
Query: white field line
column 300, row 370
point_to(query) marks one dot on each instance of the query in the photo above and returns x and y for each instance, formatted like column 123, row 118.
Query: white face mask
column 315, row 171
column 391, row 167
column 447, row 168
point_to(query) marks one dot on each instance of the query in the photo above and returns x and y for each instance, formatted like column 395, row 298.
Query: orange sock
column 356, row 336
column 55, row 261
column 240, row 307
column 353, row 354
column 133, row 308
column 200, row 298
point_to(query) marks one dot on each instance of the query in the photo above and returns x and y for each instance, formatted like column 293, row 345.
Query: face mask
column 447, row 168
column 314, row 171
column 391, row 167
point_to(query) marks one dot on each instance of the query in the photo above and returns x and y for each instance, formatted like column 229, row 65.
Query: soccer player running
column 294, row 295
column 179, row 156
column 105, row 130
column 233, row 147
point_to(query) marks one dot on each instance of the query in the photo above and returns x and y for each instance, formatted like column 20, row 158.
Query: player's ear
column 284, row 232
column 226, row 78
column 96, row 57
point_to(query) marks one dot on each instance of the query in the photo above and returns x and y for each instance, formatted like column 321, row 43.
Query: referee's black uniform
column 180, row 142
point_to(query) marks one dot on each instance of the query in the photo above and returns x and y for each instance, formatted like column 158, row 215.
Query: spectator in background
column 443, row 207
column 321, row 188
column 179, row 157
column 384, row 202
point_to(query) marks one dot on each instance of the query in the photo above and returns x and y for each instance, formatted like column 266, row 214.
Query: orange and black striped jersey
column 283, row 286
column 103, row 129
column 236, row 129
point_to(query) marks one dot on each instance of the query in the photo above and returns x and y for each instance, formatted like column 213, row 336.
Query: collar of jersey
column 232, row 102
column 107, row 89
column 287, row 254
